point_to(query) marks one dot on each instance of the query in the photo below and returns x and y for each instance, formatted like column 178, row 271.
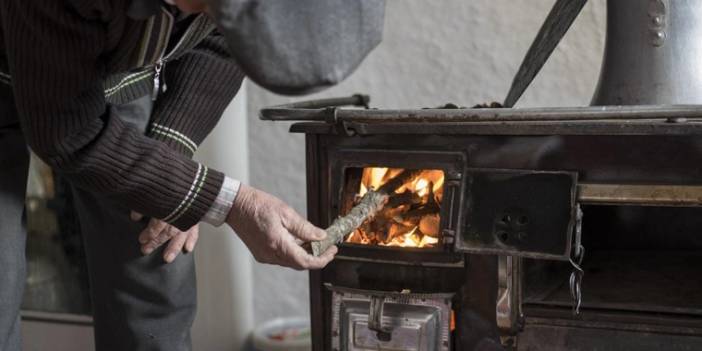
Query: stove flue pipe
column 653, row 53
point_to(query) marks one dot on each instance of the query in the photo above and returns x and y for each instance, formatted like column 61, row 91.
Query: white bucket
column 283, row 334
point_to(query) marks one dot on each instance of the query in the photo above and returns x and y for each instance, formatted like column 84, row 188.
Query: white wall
column 434, row 52
column 224, row 290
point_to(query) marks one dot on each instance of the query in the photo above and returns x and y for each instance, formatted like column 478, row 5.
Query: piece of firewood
column 405, row 198
column 372, row 202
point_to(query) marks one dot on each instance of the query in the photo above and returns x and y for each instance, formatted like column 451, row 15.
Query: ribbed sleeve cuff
column 200, row 197
column 219, row 211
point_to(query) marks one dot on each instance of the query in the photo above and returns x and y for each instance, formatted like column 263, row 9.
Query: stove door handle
column 375, row 318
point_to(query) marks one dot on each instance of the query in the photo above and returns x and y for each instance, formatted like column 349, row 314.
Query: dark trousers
column 14, row 161
column 139, row 302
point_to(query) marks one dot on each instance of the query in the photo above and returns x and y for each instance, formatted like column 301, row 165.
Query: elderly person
column 116, row 95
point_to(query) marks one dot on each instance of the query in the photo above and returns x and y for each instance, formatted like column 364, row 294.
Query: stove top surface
column 329, row 117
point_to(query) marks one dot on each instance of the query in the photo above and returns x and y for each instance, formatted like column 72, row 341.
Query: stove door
column 518, row 213
column 414, row 328
column 407, row 322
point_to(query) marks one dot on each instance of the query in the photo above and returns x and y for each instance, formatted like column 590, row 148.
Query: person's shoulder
column 104, row 10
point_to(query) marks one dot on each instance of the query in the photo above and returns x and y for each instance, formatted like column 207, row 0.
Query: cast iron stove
column 523, row 229
column 528, row 229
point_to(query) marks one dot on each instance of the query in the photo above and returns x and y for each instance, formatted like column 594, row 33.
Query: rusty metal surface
column 640, row 194
column 594, row 120
column 506, row 128
column 328, row 111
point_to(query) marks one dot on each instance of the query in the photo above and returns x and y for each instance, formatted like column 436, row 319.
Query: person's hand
column 158, row 232
column 273, row 231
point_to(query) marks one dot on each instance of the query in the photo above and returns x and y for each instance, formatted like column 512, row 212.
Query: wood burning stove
column 526, row 229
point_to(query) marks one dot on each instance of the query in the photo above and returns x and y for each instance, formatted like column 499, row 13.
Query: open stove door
column 518, row 213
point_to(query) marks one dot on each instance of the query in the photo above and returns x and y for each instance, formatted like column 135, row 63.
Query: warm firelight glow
column 411, row 216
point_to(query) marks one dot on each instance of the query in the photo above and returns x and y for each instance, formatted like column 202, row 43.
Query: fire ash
column 411, row 216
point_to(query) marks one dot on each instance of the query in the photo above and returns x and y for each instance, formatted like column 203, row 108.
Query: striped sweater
column 65, row 61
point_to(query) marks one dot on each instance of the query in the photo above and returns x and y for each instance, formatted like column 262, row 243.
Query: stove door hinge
column 576, row 260
column 452, row 188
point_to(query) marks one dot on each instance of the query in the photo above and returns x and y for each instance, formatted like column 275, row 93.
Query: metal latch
column 576, row 277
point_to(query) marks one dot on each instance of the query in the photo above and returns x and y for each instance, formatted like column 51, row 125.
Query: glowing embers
column 411, row 217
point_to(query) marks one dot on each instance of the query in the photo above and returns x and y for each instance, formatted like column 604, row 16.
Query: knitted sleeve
column 55, row 51
column 200, row 85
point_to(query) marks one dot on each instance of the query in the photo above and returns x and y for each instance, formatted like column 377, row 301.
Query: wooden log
column 372, row 202
column 404, row 198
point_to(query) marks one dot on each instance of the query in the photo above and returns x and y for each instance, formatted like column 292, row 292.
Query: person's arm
column 269, row 228
column 201, row 83
column 55, row 50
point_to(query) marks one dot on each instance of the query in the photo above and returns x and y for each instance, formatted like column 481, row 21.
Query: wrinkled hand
column 273, row 231
column 158, row 232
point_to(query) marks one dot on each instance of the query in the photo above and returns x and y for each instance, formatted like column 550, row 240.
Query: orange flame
column 412, row 223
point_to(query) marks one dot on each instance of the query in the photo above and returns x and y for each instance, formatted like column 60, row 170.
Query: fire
column 411, row 216
column 421, row 187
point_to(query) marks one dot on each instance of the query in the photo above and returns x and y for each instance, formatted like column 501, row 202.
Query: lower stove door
column 414, row 322
column 413, row 327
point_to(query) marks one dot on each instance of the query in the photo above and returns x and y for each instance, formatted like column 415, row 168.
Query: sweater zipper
column 160, row 65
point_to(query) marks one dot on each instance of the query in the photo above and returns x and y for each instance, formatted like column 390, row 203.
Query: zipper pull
column 157, row 79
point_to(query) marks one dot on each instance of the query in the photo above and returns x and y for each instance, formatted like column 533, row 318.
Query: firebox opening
column 411, row 218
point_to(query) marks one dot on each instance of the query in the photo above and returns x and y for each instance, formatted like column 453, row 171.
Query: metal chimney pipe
column 653, row 53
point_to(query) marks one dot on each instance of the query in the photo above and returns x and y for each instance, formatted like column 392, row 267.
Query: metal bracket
column 509, row 305
column 331, row 116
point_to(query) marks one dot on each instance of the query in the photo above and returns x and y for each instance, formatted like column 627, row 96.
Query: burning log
column 416, row 214
column 372, row 202
column 404, row 198
column 429, row 225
